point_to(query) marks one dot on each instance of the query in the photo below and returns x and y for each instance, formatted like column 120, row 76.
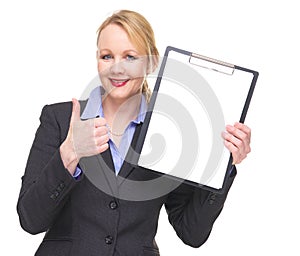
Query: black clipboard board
column 192, row 95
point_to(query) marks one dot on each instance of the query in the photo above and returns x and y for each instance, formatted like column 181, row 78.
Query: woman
column 56, row 197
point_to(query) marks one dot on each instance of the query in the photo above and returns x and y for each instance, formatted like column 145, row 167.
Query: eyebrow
column 124, row 52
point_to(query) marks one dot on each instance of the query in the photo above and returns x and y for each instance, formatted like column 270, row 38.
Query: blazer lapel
column 100, row 168
column 106, row 162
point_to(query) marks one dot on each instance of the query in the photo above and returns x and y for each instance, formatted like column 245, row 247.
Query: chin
column 119, row 94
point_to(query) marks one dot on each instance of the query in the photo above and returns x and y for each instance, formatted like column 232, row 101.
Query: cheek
column 136, row 71
column 103, row 72
column 103, row 68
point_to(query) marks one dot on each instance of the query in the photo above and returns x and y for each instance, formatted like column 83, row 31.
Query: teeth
column 119, row 81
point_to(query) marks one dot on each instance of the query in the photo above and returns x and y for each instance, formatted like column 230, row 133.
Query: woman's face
column 121, row 66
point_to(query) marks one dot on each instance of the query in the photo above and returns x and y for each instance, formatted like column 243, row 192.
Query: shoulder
column 55, row 118
column 61, row 109
column 56, row 114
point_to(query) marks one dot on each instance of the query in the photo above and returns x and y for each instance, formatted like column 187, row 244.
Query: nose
column 118, row 67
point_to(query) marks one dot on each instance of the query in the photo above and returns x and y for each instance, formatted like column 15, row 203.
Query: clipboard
column 194, row 97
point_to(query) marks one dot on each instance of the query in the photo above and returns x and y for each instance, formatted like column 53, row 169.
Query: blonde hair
column 140, row 33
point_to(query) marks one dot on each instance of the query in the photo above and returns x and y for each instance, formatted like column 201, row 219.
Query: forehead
column 114, row 35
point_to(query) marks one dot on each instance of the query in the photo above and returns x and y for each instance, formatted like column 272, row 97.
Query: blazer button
column 53, row 197
column 213, row 196
column 62, row 185
column 113, row 205
column 108, row 240
column 211, row 201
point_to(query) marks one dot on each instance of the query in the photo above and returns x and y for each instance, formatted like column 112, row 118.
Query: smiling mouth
column 119, row 82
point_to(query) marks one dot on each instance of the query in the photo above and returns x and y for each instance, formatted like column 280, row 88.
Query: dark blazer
column 81, row 218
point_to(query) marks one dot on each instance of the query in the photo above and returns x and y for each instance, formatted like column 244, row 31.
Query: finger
column 242, row 145
column 102, row 148
column 99, row 121
column 236, row 147
column 234, row 152
column 101, row 140
column 243, row 132
column 233, row 139
column 100, row 131
column 75, row 111
column 244, row 128
column 238, row 133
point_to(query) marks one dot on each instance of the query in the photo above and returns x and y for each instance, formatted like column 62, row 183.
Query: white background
column 47, row 54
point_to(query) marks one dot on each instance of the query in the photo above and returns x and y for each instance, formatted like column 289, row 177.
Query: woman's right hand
column 85, row 138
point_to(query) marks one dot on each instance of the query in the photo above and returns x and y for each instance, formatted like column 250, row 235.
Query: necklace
column 113, row 133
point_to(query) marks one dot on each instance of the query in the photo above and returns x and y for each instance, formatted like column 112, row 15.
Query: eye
column 106, row 57
column 131, row 57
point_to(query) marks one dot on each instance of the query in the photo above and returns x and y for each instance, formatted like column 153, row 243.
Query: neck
column 119, row 114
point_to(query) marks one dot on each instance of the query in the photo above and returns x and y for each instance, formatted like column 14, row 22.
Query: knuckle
column 244, row 136
column 247, row 130
column 102, row 121
column 225, row 136
column 239, row 144
column 97, row 132
column 235, row 150
column 106, row 138
column 102, row 148
column 231, row 137
column 102, row 140
column 104, row 130
column 101, row 131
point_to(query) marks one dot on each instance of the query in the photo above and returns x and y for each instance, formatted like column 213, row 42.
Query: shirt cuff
column 77, row 173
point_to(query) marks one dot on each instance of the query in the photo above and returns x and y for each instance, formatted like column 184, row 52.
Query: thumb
column 75, row 111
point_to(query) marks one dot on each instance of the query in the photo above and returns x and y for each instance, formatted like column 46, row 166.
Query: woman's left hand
column 237, row 140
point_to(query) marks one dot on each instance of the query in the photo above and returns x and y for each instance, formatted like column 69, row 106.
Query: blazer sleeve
column 192, row 211
column 46, row 183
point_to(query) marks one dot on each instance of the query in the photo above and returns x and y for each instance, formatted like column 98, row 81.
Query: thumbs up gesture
column 85, row 138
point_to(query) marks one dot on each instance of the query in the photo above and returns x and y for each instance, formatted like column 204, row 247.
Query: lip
column 118, row 82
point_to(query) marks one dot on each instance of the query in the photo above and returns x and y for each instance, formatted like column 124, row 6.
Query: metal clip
column 213, row 64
